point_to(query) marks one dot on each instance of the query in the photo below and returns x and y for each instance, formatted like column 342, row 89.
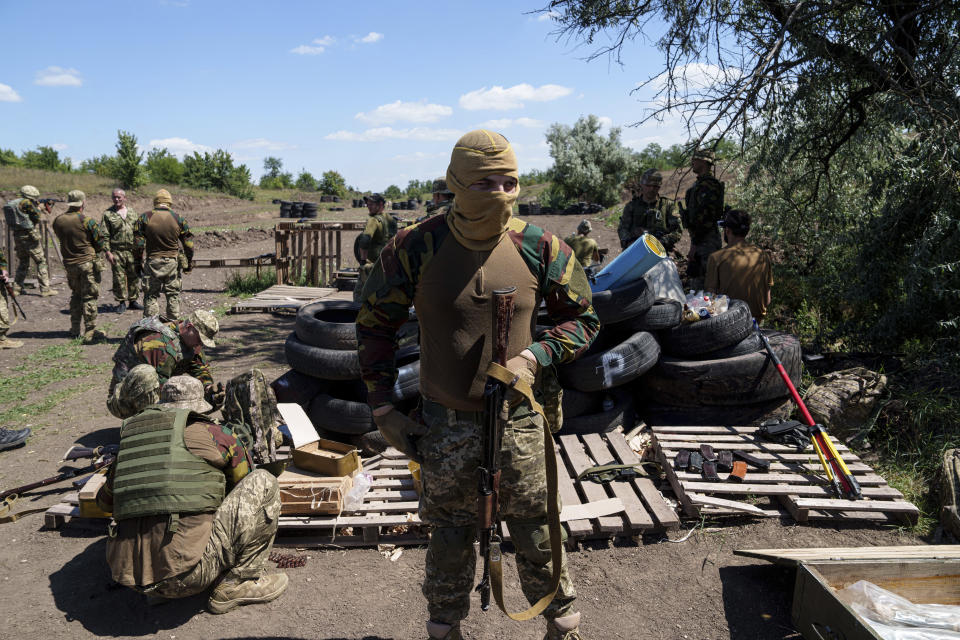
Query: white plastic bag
column 896, row 618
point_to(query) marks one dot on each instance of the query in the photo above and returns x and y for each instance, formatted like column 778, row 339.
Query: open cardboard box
column 313, row 453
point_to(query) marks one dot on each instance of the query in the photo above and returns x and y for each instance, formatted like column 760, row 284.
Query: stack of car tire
column 645, row 363
column 325, row 373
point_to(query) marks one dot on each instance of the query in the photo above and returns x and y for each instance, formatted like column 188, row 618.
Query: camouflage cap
column 207, row 326
column 651, row 177
column 75, row 199
column 584, row 227
column 184, row 392
column 139, row 389
column 374, row 197
column 440, row 186
column 162, row 197
column 704, row 154
column 29, row 191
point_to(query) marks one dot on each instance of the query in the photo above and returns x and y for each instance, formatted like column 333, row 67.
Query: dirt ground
column 56, row 583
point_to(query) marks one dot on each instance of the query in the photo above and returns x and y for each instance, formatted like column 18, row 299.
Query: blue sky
column 377, row 90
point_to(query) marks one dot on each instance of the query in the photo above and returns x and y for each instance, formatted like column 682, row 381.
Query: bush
column 45, row 158
column 127, row 169
column 392, row 192
column 246, row 284
column 588, row 166
column 163, row 167
column 8, row 158
column 332, row 184
column 100, row 165
column 215, row 172
column 306, row 181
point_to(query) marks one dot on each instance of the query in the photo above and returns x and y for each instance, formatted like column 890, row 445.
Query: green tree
column 272, row 167
column 8, row 158
column 99, row 165
column 127, row 167
column 652, row 155
column 392, row 192
column 306, row 181
column 586, row 165
column 46, row 158
column 215, row 172
column 164, row 167
column 332, row 184
column 535, row 176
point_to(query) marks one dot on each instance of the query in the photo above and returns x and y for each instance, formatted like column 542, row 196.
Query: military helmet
column 139, row 389
column 75, row 199
column 440, row 186
column 704, row 154
column 584, row 227
column 374, row 197
column 651, row 177
column 162, row 197
column 207, row 326
column 184, row 392
column 29, row 191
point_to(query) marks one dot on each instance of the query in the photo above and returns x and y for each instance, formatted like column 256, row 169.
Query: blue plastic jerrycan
column 645, row 252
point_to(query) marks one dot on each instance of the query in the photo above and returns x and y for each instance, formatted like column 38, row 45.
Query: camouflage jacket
column 157, row 343
column 375, row 235
column 140, row 240
column 704, row 208
column 31, row 212
column 118, row 231
column 393, row 284
column 660, row 219
column 583, row 247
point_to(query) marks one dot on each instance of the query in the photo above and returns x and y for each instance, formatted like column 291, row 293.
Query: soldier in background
column 375, row 235
column 117, row 224
column 740, row 270
column 26, row 241
column 442, row 197
column 160, row 233
column 174, row 536
column 704, row 210
column 649, row 212
column 80, row 242
column 5, row 342
column 584, row 248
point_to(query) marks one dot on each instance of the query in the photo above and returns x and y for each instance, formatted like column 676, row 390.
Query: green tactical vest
column 156, row 474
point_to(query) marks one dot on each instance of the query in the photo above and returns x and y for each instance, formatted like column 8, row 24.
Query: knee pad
column 450, row 546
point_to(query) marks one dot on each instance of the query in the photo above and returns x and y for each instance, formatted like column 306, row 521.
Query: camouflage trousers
column 84, row 282
column 27, row 247
column 362, row 275
column 4, row 312
column 126, row 277
column 243, row 531
column 162, row 276
column 697, row 268
column 451, row 455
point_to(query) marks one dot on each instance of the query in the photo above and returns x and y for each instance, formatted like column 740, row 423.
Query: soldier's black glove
column 214, row 395
column 401, row 432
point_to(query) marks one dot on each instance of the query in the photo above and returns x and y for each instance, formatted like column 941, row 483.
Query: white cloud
column 605, row 122
column 325, row 41
column 59, row 146
column 178, row 146
column 405, row 111
column 371, row 37
column 549, row 15
column 695, row 77
column 7, row 94
column 389, row 133
column 511, row 97
column 418, row 155
column 262, row 143
column 58, row 77
column 507, row 123
column 315, row 48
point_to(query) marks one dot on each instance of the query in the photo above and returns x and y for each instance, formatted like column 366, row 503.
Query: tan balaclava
column 479, row 218
column 162, row 199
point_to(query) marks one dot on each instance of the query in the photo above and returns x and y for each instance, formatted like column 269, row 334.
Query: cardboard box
column 304, row 492
column 328, row 457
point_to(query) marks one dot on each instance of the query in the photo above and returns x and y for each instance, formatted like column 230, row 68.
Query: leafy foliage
column 332, row 184
column 274, row 176
column 306, row 181
column 588, row 166
column 46, row 158
column 535, row 176
column 164, row 167
column 126, row 166
column 215, row 172
column 8, row 158
column 100, row 165
column 392, row 192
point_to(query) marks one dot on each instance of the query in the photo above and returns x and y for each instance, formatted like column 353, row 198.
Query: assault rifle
column 49, row 200
column 495, row 416
column 100, row 462
column 13, row 298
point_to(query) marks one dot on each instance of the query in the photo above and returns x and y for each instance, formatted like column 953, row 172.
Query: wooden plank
column 592, row 510
column 637, row 517
column 792, row 557
column 569, row 496
column 307, row 522
column 704, row 429
column 698, row 498
column 887, row 506
column 575, row 454
column 662, row 513
column 782, row 490
column 789, row 502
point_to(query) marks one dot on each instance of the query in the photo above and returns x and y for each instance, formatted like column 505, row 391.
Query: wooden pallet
column 795, row 480
column 287, row 298
column 68, row 509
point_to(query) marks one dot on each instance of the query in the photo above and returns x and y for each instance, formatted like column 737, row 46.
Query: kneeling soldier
column 188, row 512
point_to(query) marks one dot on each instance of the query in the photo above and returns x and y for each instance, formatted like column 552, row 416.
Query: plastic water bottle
column 361, row 485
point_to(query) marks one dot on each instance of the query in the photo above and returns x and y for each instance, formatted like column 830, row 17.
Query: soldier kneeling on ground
column 188, row 512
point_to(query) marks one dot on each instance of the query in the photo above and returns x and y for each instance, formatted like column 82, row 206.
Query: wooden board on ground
column 795, row 480
column 284, row 297
column 792, row 557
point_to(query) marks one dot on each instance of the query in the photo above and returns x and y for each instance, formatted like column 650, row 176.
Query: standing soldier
column 161, row 232
column 651, row 213
column 380, row 228
column 80, row 241
column 584, row 248
column 448, row 267
column 704, row 210
column 5, row 342
column 442, row 197
column 26, row 239
column 117, row 224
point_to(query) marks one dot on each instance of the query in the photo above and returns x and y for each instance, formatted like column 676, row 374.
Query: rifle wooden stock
column 66, row 475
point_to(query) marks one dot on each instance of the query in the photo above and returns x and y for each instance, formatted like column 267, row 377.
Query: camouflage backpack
column 126, row 357
column 843, row 400
column 250, row 409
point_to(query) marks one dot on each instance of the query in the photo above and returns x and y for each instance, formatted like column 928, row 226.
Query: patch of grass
column 245, row 284
column 17, row 413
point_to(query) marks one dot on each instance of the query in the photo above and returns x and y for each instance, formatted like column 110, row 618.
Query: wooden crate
column 795, row 480
column 305, row 492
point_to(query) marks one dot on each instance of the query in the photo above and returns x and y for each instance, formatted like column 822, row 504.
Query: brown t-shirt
column 742, row 272
column 143, row 552
column 162, row 235
column 75, row 244
column 454, row 307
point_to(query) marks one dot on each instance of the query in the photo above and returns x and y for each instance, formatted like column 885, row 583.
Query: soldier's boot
column 46, row 293
column 7, row 343
column 231, row 593
column 75, row 331
column 443, row 631
column 10, row 438
column 121, row 307
column 135, row 305
column 94, row 336
column 565, row 628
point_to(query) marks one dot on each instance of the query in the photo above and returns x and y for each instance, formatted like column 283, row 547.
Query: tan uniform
column 583, row 247
column 742, row 272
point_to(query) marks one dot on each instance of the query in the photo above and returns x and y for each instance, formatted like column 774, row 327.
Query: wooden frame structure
column 310, row 249
column 46, row 239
